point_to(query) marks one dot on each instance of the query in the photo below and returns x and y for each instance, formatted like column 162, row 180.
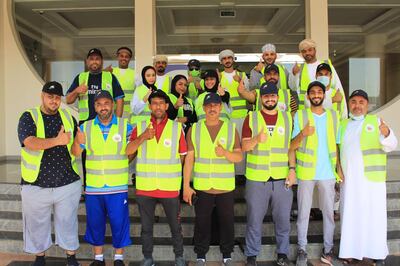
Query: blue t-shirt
column 324, row 169
column 94, row 85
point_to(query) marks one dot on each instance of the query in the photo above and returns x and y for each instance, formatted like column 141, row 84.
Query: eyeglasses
column 193, row 68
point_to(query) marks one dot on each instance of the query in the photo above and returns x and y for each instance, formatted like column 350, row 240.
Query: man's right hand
column 308, row 130
column 259, row 66
column 149, row 133
column 81, row 89
column 63, row 137
column 295, row 69
column 187, row 195
column 80, row 136
column 262, row 136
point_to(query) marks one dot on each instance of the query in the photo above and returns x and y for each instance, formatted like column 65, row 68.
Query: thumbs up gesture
column 259, row 66
column 220, row 90
column 63, row 137
column 150, row 132
column 81, row 89
column 236, row 77
column 219, row 150
column 241, row 87
column 179, row 101
column 383, row 128
column 109, row 69
column 262, row 136
column 308, row 130
column 80, row 136
column 295, row 69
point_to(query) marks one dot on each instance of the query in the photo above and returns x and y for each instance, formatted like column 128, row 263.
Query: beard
column 270, row 107
column 104, row 116
column 314, row 103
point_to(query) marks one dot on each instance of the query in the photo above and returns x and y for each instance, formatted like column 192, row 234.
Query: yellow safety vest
column 106, row 161
column 83, row 100
column 238, row 104
column 166, row 86
column 193, row 92
column 174, row 99
column 269, row 159
column 141, row 91
column 127, row 82
column 282, row 83
column 283, row 101
column 30, row 159
column 374, row 157
column 158, row 163
column 339, row 107
column 304, row 80
column 224, row 115
column 306, row 154
column 210, row 171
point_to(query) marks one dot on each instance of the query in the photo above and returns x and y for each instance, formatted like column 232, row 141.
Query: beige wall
column 2, row 85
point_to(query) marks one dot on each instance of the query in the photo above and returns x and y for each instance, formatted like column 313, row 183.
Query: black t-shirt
column 55, row 168
column 94, row 85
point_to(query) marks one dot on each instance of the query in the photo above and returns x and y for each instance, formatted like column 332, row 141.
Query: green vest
column 31, row 159
column 269, row 159
column 141, row 91
column 210, row 171
column 166, row 86
column 374, row 157
column 83, row 100
column 283, row 101
column 180, row 110
column 224, row 115
column 106, row 161
column 238, row 104
column 283, row 83
column 306, row 154
column 193, row 92
column 158, row 163
column 304, row 80
column 127, row 82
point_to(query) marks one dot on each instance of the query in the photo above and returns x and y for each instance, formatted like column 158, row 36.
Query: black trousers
column 203, row 222
column 147, row 206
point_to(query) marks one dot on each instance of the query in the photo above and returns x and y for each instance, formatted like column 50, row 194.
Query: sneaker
column 251, row 261
column 98, row 263
column 180, row 261
column 119, row 263
column 200, row 262
column 147, row 262
column 71, row 261
column 283, row 261
column 330, row 258
column 380, row 263
column 227, row 262
column 301, row 258
column 39, row 261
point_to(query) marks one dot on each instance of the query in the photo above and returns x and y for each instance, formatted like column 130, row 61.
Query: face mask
column 324, row 80
column 195, row 73
column 356, row 118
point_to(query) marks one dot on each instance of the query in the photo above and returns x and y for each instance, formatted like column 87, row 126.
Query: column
column 317, row 26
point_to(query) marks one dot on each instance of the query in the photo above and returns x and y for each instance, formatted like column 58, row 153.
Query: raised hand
column 63, row 137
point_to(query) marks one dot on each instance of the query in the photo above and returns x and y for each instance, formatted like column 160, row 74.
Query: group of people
column 192, row 135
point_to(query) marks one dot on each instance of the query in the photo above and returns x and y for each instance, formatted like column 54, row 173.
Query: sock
column 99, row 257
column 119, row 257
column 40, row 258
column 225, row 259
column 281, row 255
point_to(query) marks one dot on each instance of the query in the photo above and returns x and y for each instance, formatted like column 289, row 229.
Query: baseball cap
column 94, row 51
column 316, row 83
column 268, row 88
column 53, row 87
column 212, row 98
column 210, row 73
column 360, row 93
column 158, row 94
column 323, row 66
column 194, row 63
column 271, row 67
column 103, row 94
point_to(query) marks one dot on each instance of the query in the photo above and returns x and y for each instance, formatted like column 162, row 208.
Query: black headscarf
column 150, row 86
column 173, row 85
column 211, row 73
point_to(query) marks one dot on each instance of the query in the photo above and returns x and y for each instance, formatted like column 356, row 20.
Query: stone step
column 12, row 222
column 165, row 253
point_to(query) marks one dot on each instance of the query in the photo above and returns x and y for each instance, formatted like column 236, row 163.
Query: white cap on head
column 307, row 43
column 160, row 58
column 226, row 53
column 269, row 47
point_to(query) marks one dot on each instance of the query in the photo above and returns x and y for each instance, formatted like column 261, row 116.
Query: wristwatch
column 292, row 168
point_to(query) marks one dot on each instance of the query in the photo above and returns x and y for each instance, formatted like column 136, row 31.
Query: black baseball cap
column 268, row 88
column 271, row 67
column 316, row 83
column 53, row 87
column 103, row 94
column 210, row 73
column 360, row 93
column 194, row 63
column 159, row 94
column 94, row 51
column 212, row 98
column 323, row 66
column 125, row 48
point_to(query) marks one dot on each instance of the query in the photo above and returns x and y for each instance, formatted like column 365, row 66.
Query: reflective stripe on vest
column 106, row 161
column 306, row 154
column 269, row 159
column 210, row 171
column 83, row 100
column 282, row 82
column 158, row 163
column 238, row 104
column 283, row 101
column 127, row 82
column 374, row 158
column 31, row 160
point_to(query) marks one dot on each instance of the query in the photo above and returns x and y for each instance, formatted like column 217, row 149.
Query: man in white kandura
column 364, row 141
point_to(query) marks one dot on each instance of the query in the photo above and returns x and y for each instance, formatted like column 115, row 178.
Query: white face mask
column 356, row 117
column 324, row 80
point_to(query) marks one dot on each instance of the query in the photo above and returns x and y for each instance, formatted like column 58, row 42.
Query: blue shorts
column 116, row 208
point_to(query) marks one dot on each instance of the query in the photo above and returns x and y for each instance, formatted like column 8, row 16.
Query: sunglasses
column 193, row 68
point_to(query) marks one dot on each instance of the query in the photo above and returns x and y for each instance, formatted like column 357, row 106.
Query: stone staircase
column 11, row 230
